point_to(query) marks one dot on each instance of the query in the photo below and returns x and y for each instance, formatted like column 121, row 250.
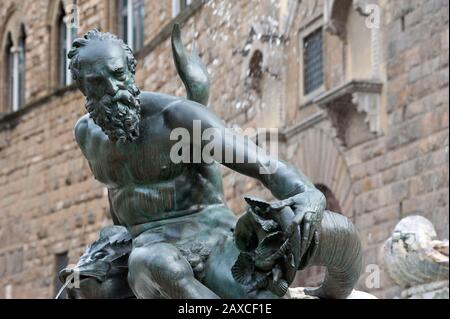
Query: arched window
column 65, row 36
column 332, row 202
column 21, row 72
column 9, row 72
column 62, row 49
column 15, row 71
column 131, row 14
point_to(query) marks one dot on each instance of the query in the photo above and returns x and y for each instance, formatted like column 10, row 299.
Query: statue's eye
column 100, row 255
column 119, row 73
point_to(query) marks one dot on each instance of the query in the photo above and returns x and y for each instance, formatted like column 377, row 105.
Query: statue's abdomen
column 144, row 183
column 137, row 205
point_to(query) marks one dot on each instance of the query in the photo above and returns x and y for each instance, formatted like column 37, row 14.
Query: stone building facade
column 358, row 90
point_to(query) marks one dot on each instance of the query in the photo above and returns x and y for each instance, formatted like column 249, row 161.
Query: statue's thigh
column 154, row 268
column 161, row 260
column 161, row 271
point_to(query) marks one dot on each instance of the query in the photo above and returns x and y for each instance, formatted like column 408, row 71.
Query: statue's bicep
column 80, row 132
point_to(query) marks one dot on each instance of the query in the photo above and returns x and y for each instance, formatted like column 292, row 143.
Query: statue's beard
column 118, row 116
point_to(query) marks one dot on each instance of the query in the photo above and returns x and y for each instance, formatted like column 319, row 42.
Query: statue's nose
column 111, row 87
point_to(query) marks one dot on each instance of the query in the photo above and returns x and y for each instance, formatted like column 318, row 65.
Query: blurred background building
column 358, row 90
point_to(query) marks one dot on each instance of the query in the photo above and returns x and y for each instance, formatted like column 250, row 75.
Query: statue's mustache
column 128, row 97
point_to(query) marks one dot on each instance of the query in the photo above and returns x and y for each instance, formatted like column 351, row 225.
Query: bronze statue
column 184, row 241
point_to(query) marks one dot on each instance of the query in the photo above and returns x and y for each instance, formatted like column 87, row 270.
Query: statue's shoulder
column 182, row 110
column 152, row 102
column 170, row 107
column 81, row 129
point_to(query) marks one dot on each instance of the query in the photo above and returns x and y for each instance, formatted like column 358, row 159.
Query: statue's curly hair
column 92, row 36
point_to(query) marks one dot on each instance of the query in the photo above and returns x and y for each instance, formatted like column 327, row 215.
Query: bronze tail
column 340, row 252
column 191, row 70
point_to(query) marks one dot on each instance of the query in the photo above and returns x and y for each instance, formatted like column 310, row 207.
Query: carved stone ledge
column 364, row 95
column 354, row 86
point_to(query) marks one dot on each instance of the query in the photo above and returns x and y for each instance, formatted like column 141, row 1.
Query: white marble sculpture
column 416, row 260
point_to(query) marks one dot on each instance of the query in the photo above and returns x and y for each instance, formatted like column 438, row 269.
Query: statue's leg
column 160, row 271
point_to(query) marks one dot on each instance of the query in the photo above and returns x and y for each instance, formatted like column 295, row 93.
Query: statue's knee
column 137, row 260
column 160, row 261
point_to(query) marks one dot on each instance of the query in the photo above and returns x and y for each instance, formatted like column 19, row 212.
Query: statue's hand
column 308, row 208
column 310, row 228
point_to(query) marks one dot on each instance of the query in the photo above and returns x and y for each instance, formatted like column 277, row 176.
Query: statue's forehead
column 101, row 54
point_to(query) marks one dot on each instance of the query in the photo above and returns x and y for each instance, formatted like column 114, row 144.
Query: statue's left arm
column 286, row 183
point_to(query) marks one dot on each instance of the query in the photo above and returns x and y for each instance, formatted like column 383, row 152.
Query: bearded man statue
column 185, row 242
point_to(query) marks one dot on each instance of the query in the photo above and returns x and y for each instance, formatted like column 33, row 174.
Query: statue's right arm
column 81, row 133
column 81, row 136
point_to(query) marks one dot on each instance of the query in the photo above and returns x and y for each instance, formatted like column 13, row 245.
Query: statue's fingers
column 279, row 205
column 299, row 216
column 312, row 234
column 305, row 237
column 291, row 229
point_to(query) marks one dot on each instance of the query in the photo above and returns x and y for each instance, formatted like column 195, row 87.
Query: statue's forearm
column 285, row 181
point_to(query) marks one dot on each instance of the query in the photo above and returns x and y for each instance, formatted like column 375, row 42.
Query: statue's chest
column 143, row 162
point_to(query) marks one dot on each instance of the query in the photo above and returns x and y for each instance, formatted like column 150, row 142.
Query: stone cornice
column 290, row 132
column 354, row 86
